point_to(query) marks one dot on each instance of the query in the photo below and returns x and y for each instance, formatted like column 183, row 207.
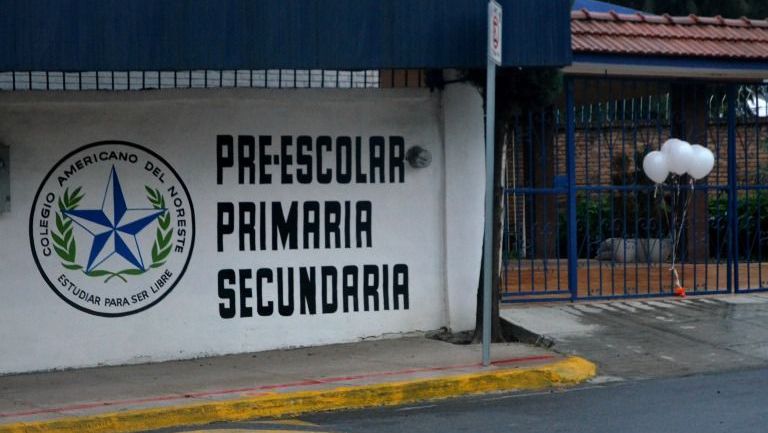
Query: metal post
column 733, row 222
column 570, row 143
column 490, row 114
column 494, row 58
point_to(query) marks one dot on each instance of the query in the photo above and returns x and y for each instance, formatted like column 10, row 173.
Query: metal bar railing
column 733, row 274
column 570, row 144
column 603, row 129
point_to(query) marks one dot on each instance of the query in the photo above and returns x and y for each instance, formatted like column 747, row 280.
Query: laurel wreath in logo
column 63, row 241
column 66, row 248
column 164, row 235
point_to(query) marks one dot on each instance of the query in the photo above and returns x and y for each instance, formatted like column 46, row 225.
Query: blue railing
column 582, row 221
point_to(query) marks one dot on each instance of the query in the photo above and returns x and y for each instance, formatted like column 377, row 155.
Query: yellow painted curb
column 569, row 371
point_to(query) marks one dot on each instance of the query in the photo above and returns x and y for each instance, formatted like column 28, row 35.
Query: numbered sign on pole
column 494, row 32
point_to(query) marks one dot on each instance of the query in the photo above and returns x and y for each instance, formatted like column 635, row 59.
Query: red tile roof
column 663, row 35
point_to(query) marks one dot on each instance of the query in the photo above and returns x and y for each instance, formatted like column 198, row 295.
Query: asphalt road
column 732, row 402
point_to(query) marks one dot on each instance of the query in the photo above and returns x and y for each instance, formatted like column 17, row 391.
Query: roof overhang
column 667, row 67
column 117, row 35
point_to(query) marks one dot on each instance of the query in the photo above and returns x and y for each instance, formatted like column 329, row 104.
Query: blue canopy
column 86, row 35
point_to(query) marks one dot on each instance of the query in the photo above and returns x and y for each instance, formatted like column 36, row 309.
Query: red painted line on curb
column 265, row 387
column 430, row 369
column 522, row 359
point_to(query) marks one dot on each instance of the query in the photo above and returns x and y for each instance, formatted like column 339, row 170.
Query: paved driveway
column 655, row 338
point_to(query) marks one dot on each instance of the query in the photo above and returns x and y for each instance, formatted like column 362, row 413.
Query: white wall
column 430, row 222
column 463, row 133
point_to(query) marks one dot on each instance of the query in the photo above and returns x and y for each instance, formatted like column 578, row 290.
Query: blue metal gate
column 582, row 221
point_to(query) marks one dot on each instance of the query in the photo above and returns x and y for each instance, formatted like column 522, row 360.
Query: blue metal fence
column 584, row 222
column 748, row 184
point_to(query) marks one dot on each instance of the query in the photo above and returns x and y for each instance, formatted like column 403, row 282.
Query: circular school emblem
column 112, row 228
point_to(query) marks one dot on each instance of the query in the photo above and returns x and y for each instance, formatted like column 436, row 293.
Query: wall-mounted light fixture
column 418, row 157
column 5, row 179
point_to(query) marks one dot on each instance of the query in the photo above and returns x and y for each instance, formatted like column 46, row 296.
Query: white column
column 464, row 200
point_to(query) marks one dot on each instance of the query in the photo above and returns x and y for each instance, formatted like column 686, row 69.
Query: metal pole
column 570, row 143
column 490, row 114
column 733, row 221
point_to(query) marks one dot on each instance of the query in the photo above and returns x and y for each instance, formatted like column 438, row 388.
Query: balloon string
column 676, row 235
column 676, row 278
column 672, row 216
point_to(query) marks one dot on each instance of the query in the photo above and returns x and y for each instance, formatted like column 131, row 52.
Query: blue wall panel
column 78, row 35
column 599, row 6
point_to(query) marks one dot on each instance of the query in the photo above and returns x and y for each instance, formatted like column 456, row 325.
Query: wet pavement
column 706, row 360
column 268, row 426
column 714, row 403
column 641, row 339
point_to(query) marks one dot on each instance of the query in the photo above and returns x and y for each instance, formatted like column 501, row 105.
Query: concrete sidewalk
column 273, row 384
column 651, row 338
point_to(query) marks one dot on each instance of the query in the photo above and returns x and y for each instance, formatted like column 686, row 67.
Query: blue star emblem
column 114, row 227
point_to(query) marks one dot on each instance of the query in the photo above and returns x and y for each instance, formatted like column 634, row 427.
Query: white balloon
column 655, row 166
column 679, row 154
column 702, row 162
column 667, row 146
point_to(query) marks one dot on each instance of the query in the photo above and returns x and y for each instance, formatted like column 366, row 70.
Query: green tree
column 518, row 93
column 758, row 9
